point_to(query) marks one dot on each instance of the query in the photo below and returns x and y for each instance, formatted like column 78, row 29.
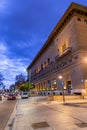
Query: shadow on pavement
column 82, row 105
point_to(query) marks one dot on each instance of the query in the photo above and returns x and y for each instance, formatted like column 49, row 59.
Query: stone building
column 64, row 53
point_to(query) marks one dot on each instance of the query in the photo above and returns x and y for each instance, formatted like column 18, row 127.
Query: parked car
column 11, row 97
column 16, row 94
column 5, row 95
column 24, row 95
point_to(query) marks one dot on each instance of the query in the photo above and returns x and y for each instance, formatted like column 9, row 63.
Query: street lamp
column 28, row 81
column 60, row 77
column 62, row 85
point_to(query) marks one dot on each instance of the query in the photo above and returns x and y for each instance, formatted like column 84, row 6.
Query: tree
column 12, row 87
column 20, row 79
column 27, row 86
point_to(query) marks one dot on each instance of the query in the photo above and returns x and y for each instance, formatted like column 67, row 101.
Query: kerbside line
column 10, row 122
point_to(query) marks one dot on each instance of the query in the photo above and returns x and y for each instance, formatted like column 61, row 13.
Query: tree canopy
column 27, row 86
column 22, row 84
column 20, row 79
column 12, row 87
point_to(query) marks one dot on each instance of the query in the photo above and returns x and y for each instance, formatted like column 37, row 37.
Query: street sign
column 62, row 83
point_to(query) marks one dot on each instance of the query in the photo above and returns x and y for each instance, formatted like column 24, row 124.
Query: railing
column 66, row 51
column 46, row 71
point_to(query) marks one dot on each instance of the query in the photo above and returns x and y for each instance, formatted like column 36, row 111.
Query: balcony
column 66, row 51
column 45, row 72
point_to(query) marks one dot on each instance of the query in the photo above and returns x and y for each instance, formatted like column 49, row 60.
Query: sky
column 24, row 27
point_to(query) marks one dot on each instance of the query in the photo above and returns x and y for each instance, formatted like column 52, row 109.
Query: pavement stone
column 32, row 111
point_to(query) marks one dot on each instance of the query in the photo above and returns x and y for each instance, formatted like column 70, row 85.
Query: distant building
column 64, row 53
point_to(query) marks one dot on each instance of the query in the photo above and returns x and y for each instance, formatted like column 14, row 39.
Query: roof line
column 58, row 28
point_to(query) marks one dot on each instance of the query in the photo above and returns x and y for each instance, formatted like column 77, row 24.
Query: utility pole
column 62, row 85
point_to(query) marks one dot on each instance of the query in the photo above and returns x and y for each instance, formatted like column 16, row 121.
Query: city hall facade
column 64, row 53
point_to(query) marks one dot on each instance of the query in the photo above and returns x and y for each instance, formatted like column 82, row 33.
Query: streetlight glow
column 60, row 77
column 86, row 59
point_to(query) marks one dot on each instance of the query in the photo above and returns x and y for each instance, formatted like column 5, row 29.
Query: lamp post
column 62, row 85
column 29, row 87
column 29, row 75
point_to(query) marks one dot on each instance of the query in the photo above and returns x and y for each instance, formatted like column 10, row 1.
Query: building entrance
column 69, row 86
column 85, row 83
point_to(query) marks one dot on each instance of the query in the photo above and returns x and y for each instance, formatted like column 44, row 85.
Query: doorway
column 85, row 83
column 69, row 86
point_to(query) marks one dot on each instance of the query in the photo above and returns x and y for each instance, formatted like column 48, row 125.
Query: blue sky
column 24, row 27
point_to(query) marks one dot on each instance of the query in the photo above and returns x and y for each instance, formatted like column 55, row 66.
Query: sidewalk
column 28, row 112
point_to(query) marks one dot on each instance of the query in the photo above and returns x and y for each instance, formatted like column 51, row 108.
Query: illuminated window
column 63, row 47
column 69, row 84
column 54, row 84
column 44, row 64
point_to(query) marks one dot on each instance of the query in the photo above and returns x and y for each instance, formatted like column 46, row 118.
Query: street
column 40, row 114
column 6, row 109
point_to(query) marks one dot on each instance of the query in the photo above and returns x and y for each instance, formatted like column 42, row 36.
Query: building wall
column 49, row 53
column 54, row 61
column 81, row 27
column 67, row 36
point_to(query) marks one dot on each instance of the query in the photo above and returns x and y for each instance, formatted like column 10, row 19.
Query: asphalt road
column 6, row 108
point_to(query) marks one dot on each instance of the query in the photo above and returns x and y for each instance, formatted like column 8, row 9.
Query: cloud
column 10, row 67
column 3, row 4
column 2, row 47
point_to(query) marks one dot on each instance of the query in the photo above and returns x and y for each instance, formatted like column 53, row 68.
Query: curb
column 11, row 120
